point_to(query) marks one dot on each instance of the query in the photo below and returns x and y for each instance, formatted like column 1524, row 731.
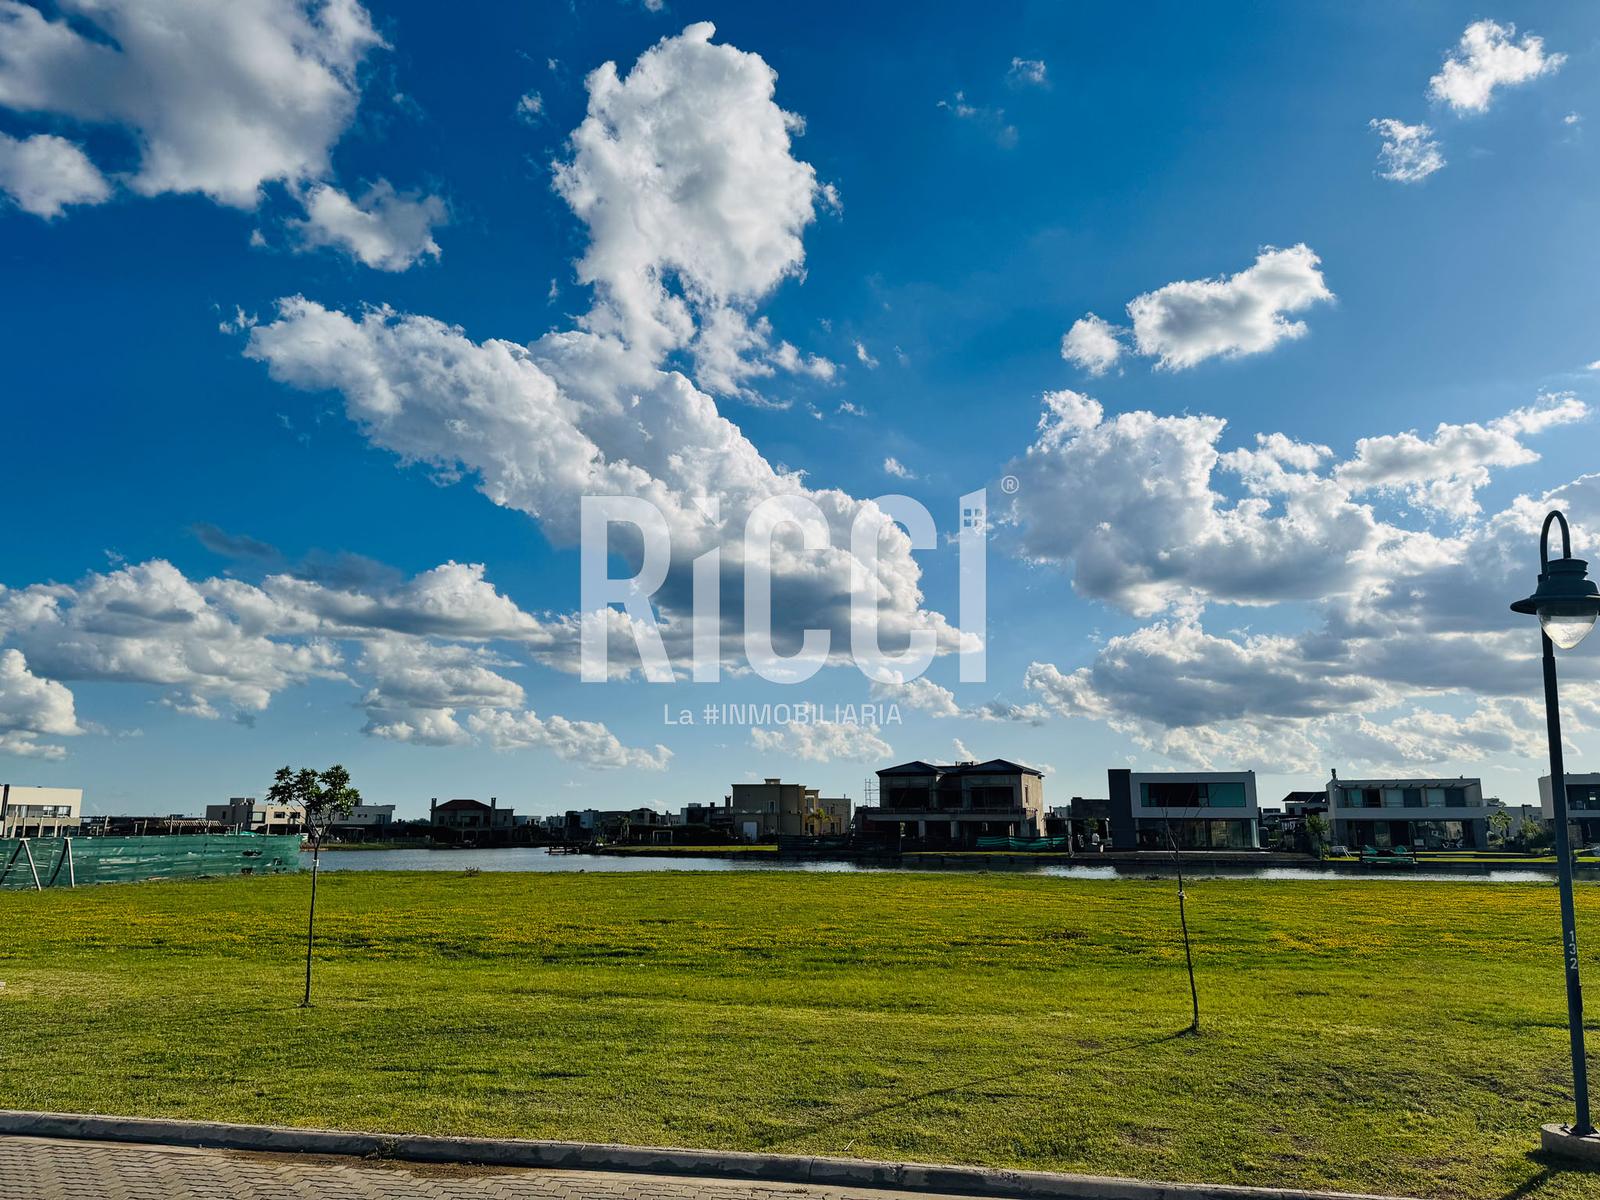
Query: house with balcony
column 1583, row 807
column 1194, row 810
column 1420, row 814
column 772, row 809
column 953, row 806
column 39, row 811
column 468, row 822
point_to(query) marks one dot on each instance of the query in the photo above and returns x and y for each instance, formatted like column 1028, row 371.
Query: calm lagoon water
column 524, row 859
column 527, row 859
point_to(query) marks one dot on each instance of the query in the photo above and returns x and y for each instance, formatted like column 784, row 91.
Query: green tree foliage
column 323, row 797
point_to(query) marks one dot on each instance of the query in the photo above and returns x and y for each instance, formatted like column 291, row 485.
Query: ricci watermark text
column 870, row 715
column 752, row 549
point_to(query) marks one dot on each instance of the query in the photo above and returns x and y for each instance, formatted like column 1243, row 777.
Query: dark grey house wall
column 1123, row 834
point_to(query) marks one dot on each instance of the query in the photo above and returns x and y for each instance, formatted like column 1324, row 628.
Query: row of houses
column 750, row 812
column 27, row 811
column 935, row 805
column 955, row 805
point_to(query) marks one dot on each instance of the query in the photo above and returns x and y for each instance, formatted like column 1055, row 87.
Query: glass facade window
column 1197, row 834
column 1425, row 835
column 1583, row 798
column 1169, row 793
column 1437, row 835
column 1406, row 797
column 1226, row 795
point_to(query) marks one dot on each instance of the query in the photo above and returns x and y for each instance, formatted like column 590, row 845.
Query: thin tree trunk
column 1183, row 920
column 311, row 919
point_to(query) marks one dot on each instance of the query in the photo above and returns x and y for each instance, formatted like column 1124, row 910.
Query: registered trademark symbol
column 1010, row 484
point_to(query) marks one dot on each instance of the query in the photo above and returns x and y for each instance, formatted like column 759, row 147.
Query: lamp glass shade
column 1566, row 601
column 1566, row 625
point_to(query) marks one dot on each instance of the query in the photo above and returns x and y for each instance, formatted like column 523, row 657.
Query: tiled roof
column 459, row 805
column 995, row 766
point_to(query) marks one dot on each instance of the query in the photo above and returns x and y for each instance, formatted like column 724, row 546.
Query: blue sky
column 217, row 559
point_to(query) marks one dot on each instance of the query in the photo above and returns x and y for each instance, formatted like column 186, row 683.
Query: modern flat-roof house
column 247, row 815
column 363, row 821
column 1198, row 810
column 612, row 825
column 1430, row 814
column 39, row 811
column 1583, row 807
column 956, row 805
column 773, row 808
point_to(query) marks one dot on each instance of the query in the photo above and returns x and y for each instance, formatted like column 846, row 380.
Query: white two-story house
column 1428, row 814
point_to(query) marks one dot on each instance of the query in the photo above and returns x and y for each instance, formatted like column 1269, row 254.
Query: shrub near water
column 1376, row 1036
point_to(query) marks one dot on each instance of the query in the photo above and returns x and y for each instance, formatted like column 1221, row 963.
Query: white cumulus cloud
column 683, row 172
column 586, row 742
column 1187, row 322
column 31, row 708
column 823, row 742
column 1093, row 344
column 384, row 229
column 221, row 98
column 1489, row 57
column 1296, row 527
column 595, row 411
column 1393, row 648
column 1409, row 152
column 43, row 174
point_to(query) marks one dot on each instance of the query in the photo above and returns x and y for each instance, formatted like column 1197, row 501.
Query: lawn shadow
column 1551, row 1168
column 838, row 1121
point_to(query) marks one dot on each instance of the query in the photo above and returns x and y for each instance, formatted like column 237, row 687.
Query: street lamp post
column 1566, row 603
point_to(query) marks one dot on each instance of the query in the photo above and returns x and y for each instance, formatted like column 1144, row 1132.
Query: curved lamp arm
column 1555, row 515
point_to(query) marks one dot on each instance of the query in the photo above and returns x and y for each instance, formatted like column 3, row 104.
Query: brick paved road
column 46, row 1169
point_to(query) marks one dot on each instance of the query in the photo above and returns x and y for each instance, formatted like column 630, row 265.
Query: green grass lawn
column 1362, row 1035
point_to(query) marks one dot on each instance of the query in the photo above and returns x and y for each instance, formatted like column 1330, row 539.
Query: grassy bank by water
column 1363, row 1035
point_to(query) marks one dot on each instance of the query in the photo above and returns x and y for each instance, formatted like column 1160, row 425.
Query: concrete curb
column 643, row 1160
column 1560, row 1140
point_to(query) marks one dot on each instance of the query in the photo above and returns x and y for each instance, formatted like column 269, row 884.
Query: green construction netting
column 1018, row 843
column 58, row 862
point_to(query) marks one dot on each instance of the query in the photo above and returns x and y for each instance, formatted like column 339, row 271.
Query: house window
column 1175, row 794
column 1225, row 795
column 1583, row 798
